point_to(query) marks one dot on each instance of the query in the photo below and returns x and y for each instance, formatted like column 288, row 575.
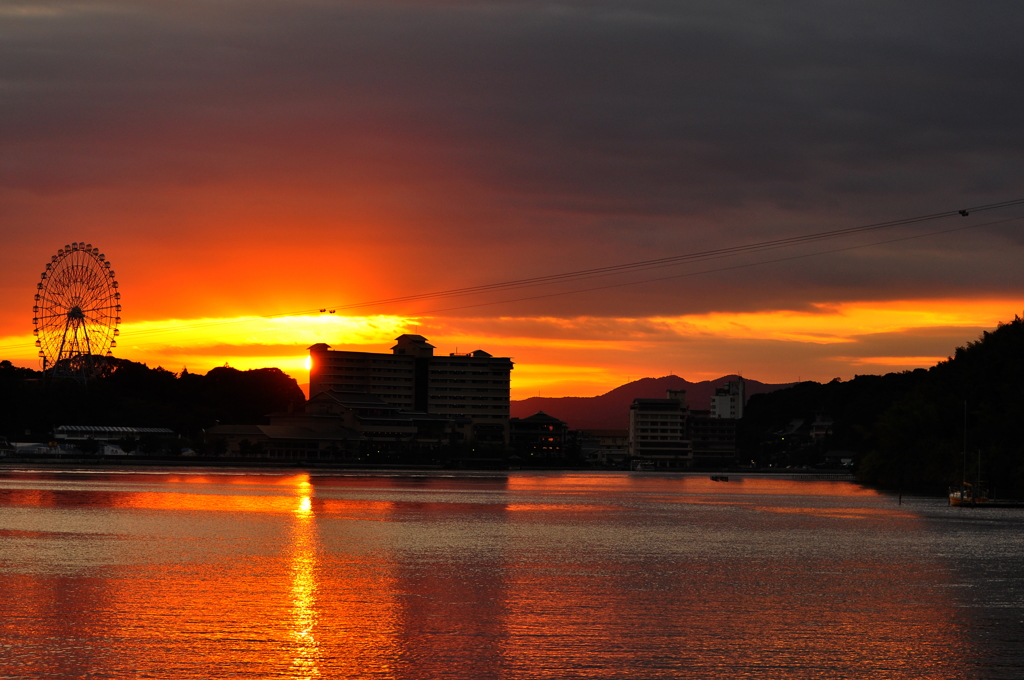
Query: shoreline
column 22, row 463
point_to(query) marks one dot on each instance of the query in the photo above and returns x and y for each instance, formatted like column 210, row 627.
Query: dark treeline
column 904, row 430
column 907, row 429
column 134, row 395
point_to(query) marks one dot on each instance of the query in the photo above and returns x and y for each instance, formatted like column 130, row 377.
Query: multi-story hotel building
column 473, row 385
column 728, row 401
column 658, row 431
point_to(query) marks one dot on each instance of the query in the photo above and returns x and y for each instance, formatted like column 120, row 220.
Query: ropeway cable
column 609, row 270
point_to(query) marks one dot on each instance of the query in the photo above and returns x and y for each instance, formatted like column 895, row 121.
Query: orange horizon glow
column 581, row 356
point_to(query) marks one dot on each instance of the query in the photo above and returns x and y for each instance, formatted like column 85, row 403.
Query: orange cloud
column 843, row 323
column 586, row 356
column 892, row 362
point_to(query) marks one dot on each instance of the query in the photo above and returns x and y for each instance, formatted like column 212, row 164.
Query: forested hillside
column 907, row 429
column 132, row 394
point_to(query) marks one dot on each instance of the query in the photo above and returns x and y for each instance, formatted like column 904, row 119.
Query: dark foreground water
column 248, row 575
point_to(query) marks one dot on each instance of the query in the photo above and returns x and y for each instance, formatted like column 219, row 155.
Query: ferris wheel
column 77, row 311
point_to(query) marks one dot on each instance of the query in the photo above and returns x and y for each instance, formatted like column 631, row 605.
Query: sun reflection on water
column 556, row 575
column 305, row 615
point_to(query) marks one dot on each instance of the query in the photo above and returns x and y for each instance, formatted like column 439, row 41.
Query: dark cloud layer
column 603, row 131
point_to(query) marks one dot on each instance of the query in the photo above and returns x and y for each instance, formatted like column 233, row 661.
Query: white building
column 729, row 400
column 658, row 431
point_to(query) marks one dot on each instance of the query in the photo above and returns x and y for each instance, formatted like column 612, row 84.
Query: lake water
column 251, row 575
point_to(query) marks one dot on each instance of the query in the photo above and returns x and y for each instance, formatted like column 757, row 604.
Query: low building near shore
column 539, row 436
column 666, row 433
column 605, row 448
column 278, row 441
column 713, row 439
column 115, row 440
column 73, row 433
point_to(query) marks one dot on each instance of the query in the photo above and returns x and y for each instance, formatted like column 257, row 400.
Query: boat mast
column 963, row 480
column 978, row 483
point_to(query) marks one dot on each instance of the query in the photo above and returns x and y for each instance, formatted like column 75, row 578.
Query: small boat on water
column 719, row 478
column 967, row 495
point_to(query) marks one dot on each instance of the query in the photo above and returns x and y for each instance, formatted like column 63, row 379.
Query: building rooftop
column 642, row 401
column 279, row 432
column 416, row 345
column 538, row 417
column 108, row 430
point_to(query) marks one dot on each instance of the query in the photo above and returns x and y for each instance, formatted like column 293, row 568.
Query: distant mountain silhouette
column 611, row 410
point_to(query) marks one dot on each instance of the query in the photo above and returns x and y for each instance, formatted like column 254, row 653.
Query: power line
column 699, row 273
column 746, row 265
column 641, row 265
column 681, row 259
column 611, row 270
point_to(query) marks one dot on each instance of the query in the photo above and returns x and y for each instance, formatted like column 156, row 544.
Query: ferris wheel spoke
column 98, row 323
column 102, row 312
column 100, row 285
column 60, row 301
column 44, row 297
column 95, row 297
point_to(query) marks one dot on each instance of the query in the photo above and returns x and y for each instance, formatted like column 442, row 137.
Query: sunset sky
column 245, row 164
